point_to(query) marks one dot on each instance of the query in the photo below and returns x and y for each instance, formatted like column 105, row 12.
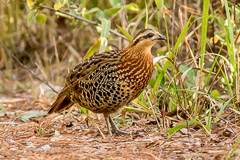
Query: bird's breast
column 136, row 72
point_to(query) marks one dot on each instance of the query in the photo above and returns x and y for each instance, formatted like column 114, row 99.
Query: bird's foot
column 118, row 131
column 115, row 129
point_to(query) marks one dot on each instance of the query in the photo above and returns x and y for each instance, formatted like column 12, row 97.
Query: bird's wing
column 84, row 71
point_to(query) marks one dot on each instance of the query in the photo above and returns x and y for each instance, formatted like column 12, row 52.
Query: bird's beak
column 161, row 37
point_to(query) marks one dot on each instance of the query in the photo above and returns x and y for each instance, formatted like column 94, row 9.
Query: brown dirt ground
column 47, row 137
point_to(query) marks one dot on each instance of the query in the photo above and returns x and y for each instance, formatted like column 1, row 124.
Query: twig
column 28, row 69
column 154, row 114
column 8, row 123
column 82, row 19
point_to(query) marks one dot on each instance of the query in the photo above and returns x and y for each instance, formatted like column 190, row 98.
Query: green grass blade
column 234, row 150
column 159, row 4
column 204, row 30
column 84, row 111
column 137, row 110
column 208, row 120
column 221, row 110
column 125, row 33
column 213, row 65
column 146, row 22
column 104, row 34
column 179, row 127
column 92, row 49
column 179, row 40
column 203, row 93
column 143, row 98
column 231, row 47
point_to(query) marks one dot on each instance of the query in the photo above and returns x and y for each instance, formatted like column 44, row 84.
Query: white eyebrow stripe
column 143, row 34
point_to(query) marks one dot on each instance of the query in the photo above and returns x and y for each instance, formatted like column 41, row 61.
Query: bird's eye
column 150, row 35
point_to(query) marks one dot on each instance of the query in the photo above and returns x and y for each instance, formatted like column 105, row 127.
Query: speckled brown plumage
column 107, row 81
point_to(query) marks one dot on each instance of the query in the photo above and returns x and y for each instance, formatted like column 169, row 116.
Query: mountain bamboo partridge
column 107, row 81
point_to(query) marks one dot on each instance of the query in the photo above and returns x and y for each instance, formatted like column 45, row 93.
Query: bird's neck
column 135, row 52
column 136, row 59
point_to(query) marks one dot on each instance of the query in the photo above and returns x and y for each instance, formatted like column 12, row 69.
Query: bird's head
column 146, row 38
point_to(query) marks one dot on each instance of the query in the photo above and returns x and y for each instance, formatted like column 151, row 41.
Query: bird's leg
column 108, row 124
column 115, row 128
column 70, row 112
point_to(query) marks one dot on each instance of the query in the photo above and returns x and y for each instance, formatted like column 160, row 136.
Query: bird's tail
column 62, row 103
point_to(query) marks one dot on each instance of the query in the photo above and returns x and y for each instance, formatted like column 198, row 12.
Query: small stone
column 198, row 143
column 13, row 149
column 56, row 138
column 45, row 147
column 188, row 144
column 29, row 144
column 57, row 133
column 10, row 140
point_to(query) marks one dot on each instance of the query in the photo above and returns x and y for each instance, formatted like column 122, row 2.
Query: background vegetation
column 196, row 71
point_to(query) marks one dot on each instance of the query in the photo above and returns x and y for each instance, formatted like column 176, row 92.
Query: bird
column 107, row 81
